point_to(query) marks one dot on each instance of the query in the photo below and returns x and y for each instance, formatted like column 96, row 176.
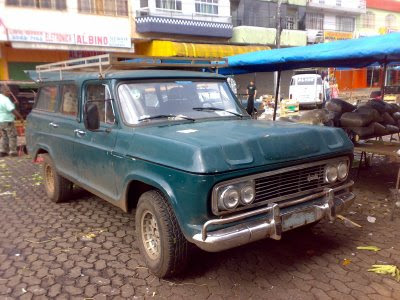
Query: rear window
column 305, row 81
column 47, row 98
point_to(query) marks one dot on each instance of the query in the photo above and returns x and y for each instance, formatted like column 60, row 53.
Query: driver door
column 93, row 148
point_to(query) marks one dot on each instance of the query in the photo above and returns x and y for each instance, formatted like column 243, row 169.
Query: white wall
column 188, row 11
column 355, row 4
column 53, row 27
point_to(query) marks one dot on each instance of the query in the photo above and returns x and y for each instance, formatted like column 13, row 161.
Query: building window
column 169, row 4
column 344, row 24
column 314, row 21
column 368, row 20
column 144, row 3
column 104, row 7
column 45, row 4
column 339, row 3
column 291, row 23
column 209, row 7
column 390, row 21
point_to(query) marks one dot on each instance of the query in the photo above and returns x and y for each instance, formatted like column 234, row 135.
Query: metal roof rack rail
column 107, row 62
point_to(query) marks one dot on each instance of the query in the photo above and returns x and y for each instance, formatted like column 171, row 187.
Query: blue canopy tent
column 356, row 53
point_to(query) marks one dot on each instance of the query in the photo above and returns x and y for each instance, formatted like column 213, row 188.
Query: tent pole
column 384, row 79
column 278, row 82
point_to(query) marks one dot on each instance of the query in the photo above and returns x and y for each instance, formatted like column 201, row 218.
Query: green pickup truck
column 177, row 149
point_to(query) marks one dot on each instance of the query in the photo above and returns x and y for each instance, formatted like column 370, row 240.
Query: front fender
column 188, row 194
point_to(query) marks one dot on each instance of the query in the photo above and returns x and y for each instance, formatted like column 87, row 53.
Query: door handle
column 54, row 125
column 79, row 133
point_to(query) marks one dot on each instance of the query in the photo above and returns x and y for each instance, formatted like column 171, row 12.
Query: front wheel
column 159, row 236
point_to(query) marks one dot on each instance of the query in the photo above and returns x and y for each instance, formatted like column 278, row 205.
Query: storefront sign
column 337, row 35
column 17, row 35
column 63, row 38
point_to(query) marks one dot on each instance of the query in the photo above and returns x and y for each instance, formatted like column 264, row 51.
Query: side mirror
column 92, row 118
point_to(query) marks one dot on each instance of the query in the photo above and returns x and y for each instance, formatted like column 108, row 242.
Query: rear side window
column 69, row 98
column 47, row 98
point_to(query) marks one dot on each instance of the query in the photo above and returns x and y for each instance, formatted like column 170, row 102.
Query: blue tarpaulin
column 356, row 53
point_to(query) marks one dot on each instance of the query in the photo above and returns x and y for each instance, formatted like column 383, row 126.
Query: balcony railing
column 168, row 13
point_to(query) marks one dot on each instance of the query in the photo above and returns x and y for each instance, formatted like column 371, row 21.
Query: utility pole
column 277, row 75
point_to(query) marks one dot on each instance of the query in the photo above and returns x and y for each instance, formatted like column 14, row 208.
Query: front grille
column 282, row 186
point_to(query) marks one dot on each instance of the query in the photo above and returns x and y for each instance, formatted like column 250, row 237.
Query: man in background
column 252, row 93
column 8, row 132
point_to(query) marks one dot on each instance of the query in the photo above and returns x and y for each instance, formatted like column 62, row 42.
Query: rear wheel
column 159, row 236
column 58, row 189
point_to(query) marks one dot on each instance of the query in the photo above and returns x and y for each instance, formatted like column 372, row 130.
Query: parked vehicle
column 177, row 149
column 308, row 89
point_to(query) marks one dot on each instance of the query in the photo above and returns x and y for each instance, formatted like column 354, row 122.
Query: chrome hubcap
column 150, row 235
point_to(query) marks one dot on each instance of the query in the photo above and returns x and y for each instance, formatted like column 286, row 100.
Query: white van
column 307, row 89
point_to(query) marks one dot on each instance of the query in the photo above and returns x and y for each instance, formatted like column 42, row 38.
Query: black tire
column 172, row 253
column 57, row 188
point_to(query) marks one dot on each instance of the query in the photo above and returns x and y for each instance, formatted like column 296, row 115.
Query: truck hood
column 219, row 146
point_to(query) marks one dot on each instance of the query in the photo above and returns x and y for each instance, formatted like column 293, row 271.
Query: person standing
column 252, row 93
column 8, row 113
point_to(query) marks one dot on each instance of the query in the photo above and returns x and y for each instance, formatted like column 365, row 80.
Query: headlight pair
column 337, row 171
column 231, row 196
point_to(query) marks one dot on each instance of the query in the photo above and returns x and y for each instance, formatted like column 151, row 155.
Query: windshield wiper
column 217, row 109
column 166, row 116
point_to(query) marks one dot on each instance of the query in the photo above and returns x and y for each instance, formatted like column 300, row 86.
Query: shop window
column 344, row 24
column 314, row 21
column 47, row 98
column 368, row 20
column 104, row 7
column 69, row 94
column 209, row 7
column 169, row 4
column 390, row 21
column 43, row 4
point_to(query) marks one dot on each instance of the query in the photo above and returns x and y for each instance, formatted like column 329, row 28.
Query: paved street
column 86, row 249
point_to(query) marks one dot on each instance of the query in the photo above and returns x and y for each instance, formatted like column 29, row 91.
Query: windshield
column 176, row 100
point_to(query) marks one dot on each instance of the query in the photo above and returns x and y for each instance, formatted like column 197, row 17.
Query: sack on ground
column 379, row 129
column 339, row 105
column 353, row 119
column 387, row 119
column 363, row 132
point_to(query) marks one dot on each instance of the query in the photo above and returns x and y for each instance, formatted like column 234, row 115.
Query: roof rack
column 107, row 62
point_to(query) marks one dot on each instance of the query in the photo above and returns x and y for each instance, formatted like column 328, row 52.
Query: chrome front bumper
column 273, row 222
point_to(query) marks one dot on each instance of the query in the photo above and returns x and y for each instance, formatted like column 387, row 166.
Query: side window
column 47, row 98
column 99, row 94
column 69, row 98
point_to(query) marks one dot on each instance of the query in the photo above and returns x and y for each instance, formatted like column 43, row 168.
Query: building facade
column 255, row 22
column 34, row 32
column 197, row 28
column 330, row 20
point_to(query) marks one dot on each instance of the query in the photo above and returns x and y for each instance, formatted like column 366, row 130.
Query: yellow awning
column 169, row 48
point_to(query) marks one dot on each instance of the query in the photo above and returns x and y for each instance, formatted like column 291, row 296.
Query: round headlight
column 343, row 170
column 248, row 194
column 331, row 174
column 229, row 198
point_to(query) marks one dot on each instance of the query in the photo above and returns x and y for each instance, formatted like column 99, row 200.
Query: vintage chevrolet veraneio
column 177, row 148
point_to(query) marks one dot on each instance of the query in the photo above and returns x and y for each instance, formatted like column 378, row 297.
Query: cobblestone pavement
column 86, row 249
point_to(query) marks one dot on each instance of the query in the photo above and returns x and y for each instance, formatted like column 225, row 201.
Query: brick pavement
column 86, row 249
